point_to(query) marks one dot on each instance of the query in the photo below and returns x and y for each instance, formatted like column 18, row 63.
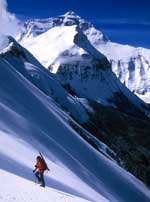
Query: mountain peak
column 35, row 27
column 71, row 14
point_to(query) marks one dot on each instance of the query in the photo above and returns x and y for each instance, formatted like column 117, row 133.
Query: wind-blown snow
column 9, row 24
column 4, row 41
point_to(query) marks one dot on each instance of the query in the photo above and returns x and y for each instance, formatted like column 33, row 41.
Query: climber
column 40, row 167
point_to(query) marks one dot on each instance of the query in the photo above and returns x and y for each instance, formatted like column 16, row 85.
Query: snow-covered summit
column 67, row 52
column 71, row 14
column 33, row 28
column 136, row 78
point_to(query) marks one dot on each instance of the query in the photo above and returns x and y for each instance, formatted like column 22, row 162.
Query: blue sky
column 124, row 21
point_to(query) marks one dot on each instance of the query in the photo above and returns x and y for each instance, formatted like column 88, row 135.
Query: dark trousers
column 40, row 178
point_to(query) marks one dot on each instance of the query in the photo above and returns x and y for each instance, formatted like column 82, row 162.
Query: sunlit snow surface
column 30, row 122
column 50, row 47
column 16, row 189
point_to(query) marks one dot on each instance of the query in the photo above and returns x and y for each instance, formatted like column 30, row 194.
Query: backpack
column 44, row 162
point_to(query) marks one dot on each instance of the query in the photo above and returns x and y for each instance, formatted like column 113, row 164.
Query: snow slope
column 34, row 125
column 31, row 69
column 46, row 82
column 31, row 122
column 130, row 64
column 29, row 192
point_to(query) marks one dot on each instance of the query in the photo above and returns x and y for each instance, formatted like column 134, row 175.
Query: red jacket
column 40, row 166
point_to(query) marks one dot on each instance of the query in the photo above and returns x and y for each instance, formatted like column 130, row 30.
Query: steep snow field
column 16, row 189
column 32, row 122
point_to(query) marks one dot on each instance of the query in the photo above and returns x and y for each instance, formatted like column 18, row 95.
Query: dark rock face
column 127, row 135
column 124, row 128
